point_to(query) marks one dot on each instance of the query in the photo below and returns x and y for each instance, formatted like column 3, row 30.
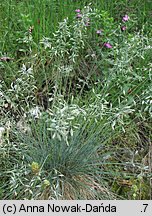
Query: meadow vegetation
column 75, row 99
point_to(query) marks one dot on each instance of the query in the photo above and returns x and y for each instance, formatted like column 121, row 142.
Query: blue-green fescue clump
column 51, row 169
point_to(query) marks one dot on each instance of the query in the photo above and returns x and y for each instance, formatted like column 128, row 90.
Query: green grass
column 75, row 116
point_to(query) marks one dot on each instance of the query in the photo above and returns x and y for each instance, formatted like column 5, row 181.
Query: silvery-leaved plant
column 2, row 130
column 35, row 112
column 119, row 115
column 63, row 119
column 98, row 108
column 22, row 89
column 134, row 47
column 2, row 95
column 146, row 101
column 67, row 43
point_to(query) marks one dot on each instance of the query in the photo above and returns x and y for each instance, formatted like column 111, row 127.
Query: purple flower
column 87, row 24
column 99, row 32
column 79, row 15
column 123, row 28
column 125, row 18
column 107, row 45
column 77, row 10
